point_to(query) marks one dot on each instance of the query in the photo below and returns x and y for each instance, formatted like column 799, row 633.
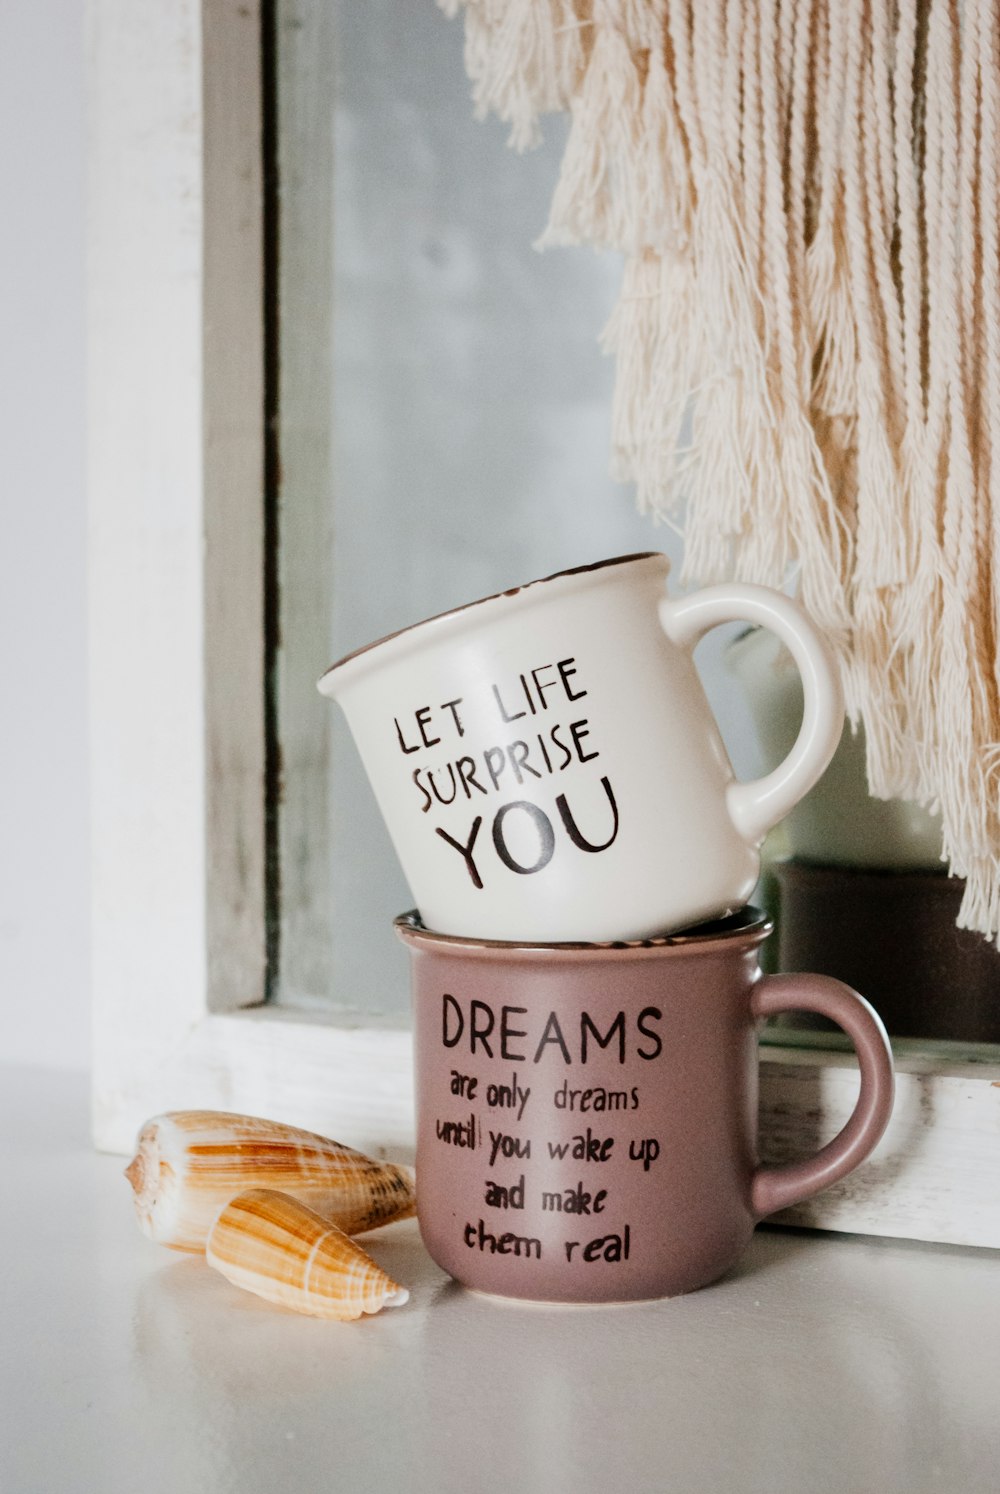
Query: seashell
column 283, row 1251
column 191, row 1162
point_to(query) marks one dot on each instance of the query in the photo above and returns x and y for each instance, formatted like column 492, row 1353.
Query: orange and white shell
column 274, row 1246
column 189, row 1163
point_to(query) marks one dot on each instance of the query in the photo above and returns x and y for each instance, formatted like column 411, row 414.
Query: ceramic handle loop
column 778, row 1187
column 757, row 806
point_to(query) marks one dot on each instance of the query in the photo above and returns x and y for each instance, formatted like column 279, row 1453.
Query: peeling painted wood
column 935, row 1175
column 175, row 423
column 932, row 1177
column 305, row 87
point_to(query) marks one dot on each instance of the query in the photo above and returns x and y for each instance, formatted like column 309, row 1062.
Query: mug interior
column 747, row 925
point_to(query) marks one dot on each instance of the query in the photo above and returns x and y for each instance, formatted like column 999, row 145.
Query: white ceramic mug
column 548, row 765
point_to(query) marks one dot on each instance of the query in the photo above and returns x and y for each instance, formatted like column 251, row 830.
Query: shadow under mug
column 587, row 1113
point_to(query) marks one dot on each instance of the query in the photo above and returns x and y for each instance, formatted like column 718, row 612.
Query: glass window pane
column 444, row 424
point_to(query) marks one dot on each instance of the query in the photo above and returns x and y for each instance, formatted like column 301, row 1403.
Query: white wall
column 44, row 852
column 44, row 888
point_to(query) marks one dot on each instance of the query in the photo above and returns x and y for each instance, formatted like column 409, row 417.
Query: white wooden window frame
column 176, row 477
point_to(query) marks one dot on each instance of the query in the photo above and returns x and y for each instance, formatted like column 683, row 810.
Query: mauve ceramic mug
column 548, row 766
column 587, row 1114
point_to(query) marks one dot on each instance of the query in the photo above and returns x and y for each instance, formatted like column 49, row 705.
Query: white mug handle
column 755, row 807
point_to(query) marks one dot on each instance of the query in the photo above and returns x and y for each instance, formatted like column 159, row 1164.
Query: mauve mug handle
column 777, row 1187
column 757, row 806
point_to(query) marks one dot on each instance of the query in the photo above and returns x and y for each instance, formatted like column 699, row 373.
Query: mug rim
column 438, row 618
column 748, row 926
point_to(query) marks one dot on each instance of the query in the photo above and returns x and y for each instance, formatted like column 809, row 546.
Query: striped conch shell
column 277, row 1248
column 189, row 1163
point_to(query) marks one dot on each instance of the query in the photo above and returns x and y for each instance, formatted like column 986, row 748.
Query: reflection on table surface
column 821, row 1362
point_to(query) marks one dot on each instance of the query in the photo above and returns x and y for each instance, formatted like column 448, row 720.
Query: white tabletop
column 824, row 1363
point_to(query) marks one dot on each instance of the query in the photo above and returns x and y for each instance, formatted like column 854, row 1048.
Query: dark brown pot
column 893, row 936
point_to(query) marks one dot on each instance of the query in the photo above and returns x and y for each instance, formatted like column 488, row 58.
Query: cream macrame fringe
column 807, row 196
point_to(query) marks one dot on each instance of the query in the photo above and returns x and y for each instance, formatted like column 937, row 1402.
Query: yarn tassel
column 807, row 341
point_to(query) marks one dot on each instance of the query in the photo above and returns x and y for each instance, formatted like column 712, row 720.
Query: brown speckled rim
column 496, row 596
column 748, row 926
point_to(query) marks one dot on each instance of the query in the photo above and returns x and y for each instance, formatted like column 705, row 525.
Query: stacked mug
column 587, row 991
